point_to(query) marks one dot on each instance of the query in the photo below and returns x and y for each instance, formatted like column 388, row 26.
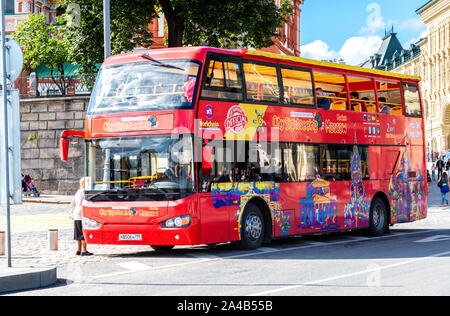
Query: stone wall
column 42, row 121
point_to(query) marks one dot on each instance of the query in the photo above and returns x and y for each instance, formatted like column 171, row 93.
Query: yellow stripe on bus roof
column 331, row 65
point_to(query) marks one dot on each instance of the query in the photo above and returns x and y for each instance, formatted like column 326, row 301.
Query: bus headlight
column 177, row 222
column 90, row 223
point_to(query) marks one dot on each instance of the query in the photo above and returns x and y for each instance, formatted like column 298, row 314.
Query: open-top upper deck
column 200, row 54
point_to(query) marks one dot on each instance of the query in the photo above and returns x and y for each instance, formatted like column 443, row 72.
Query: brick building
column 17, row 11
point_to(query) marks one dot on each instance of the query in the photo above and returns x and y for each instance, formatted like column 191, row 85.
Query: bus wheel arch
column 256, row 218
column 380, row 200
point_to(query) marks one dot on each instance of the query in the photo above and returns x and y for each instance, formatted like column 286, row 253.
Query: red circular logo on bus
column 236, row 120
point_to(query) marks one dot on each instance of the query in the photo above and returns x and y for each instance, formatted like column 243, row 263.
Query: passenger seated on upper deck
column 322, row 102
column 384, row 108
column 357, row 105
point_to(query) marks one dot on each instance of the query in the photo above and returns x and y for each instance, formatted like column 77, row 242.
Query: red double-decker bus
column 200, row 145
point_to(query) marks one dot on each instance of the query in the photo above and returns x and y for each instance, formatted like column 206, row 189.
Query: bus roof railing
column 330, row 65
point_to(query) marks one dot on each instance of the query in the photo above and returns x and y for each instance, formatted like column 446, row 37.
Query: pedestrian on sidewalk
column 77, row 219
column 433, row 172
column 443, row 184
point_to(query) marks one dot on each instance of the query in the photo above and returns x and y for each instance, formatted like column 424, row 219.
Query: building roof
column 388, row 47
column 391, row 54
column 425, row 6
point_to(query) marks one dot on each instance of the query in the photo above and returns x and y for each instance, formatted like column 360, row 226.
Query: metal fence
column 31, row 87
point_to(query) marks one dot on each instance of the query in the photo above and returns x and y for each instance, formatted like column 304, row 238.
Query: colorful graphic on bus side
column 238, row 194
column 319, row 209
column 406, row 193
column 356, row 214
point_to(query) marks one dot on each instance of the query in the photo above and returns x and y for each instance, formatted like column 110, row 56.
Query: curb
column 20, row 279
column 45, row 201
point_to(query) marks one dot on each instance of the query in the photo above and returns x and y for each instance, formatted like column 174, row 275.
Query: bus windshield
column 145, row 86
column 146, row 167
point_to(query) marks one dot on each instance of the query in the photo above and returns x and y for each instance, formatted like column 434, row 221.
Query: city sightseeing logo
column 236, row 120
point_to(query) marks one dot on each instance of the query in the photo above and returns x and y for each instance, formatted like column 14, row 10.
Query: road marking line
column 348, row 275
column 357, row 238
column 267, row 249
column 133, row 266
column 252, row 253
column 434, row 238
column 202, row 255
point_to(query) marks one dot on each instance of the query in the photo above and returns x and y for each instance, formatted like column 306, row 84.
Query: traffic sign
column 14, row 60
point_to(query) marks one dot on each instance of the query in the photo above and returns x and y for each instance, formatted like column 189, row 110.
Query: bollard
column 2, row 244
column 53, row 239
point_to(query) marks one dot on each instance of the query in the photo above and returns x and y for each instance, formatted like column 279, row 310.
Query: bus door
column 402, row 181
column 214, row 205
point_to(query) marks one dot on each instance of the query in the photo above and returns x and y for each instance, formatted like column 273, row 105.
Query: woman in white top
column 77, row 218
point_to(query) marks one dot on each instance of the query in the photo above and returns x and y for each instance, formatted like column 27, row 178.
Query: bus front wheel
column 252, row 228
column 378, row 217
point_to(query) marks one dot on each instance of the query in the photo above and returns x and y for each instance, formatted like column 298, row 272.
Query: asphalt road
column 411, row 260
column 414, row 259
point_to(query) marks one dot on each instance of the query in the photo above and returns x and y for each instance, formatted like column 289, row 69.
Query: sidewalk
column 20, row 279
column 27, row 278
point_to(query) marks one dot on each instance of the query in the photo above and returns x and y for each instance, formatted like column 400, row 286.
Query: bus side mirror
column 64, row 148
column 207, row 158
column 64, row 143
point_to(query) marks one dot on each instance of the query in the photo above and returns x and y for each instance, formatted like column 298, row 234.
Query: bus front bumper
column 144, row 235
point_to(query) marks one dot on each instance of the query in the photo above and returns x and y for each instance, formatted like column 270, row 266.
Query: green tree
column 217, row 23
column 44, row 44
column 129, row 29
column 224, row 23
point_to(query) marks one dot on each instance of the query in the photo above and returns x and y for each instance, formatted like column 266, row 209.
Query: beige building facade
column 433, row 66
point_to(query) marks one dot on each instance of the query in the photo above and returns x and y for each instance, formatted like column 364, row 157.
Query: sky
column 353, row 30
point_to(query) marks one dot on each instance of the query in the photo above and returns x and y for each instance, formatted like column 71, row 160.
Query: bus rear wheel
column 252, row 228
column 378, row 217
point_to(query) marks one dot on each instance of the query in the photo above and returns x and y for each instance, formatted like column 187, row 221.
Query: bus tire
column 252, row 228
column 378, row 217
column 162, row 248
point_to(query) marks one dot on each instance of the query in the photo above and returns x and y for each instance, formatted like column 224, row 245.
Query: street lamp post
column 5, row 158
column 107, row 27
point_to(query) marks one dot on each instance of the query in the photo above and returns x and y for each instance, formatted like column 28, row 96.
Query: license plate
column 130, row 236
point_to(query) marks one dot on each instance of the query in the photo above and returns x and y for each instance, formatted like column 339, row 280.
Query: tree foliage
column 224, row 23
column 129, row 29
column 217, row 23
column 44, row 44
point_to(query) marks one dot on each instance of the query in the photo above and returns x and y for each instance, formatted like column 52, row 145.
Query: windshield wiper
column 160, row 63
column 103, row 192
column 164, row 192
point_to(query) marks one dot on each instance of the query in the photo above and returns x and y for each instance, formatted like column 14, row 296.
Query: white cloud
column 374, row 21
column 354, row 51
column 357, row 49
column 318, row 50
column 412, row 24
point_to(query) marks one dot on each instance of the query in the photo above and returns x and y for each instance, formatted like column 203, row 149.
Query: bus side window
column 297, row 87
column 333, row 87
column 389, row 97
column 412, row 100
column 261, row 83
column 223, row 80
column 362, row 94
